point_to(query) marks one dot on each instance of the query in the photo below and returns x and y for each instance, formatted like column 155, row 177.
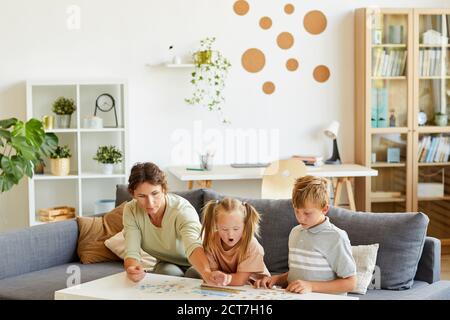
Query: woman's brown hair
column 227, row 205
column 146, row 172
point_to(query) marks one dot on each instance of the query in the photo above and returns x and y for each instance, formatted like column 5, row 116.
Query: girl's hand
column 221, row 278
column 266, row 282
column 135, row 273
column 299, row 286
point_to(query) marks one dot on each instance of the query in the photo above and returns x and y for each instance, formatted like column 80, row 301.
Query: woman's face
column 149, row 197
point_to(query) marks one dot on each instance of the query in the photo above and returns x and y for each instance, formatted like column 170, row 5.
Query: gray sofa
column 35, row 261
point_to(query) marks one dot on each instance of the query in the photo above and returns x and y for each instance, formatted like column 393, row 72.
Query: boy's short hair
column 312, row 190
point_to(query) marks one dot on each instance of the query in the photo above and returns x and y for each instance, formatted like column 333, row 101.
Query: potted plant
column 39, row 166
column 108, row 156
column 208, row 78
column 441, row 119
column 22, row 144
column 64, row 108
column 60, row 161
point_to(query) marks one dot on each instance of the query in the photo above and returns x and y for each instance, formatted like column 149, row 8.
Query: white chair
column 279, row 178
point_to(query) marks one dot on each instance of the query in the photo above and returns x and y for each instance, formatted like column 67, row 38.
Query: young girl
column 229, row 229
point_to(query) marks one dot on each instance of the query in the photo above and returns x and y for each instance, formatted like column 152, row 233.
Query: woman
column 164, row 225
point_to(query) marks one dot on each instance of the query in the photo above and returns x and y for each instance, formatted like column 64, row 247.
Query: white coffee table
column 160, row 287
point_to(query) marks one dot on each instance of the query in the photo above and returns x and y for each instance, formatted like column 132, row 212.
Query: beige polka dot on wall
column 289, row 8
column 253, row 60
column 265, row 23
column 268, row 87
column 321, row 73
column 292, row 64
column 315, row 22
column 241, row 7
column 285, row 40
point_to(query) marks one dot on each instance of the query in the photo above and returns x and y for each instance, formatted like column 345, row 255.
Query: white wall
column 117, row 39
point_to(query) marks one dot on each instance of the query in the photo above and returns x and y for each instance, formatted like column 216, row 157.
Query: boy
column 320, row 254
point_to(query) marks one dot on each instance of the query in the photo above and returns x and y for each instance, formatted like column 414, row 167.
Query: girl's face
column 149, row 197
column 230, row 226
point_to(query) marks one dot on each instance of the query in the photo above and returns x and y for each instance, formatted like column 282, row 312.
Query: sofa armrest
column 38, row 248
column 429, row 268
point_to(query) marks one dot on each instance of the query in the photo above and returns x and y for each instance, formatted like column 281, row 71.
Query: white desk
column 160, row 287
column 341, row 172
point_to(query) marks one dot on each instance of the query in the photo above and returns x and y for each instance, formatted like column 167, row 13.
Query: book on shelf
column 434, row 149
column 309, row 160
column 390, row 64
column 430, row 62
column 385, row 194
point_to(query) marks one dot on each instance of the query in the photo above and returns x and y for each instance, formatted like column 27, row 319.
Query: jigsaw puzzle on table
column 192, row 289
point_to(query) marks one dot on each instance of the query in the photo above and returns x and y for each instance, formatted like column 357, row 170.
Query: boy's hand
column 266, row 282
column 299, row 286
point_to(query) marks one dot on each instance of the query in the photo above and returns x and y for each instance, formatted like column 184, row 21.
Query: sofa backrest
column 38, row 248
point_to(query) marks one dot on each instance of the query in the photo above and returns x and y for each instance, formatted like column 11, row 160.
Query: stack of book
column 315, row 161
column 434, row 149
column 379, row 108
column 431, row 62
column 390, row 64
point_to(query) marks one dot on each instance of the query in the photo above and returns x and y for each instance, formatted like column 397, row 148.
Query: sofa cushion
column 42, row 284
column 277, row 221
column 401, row 237
column 420, row 290
column 195, row 197
column 93, row 231
column 37, row 248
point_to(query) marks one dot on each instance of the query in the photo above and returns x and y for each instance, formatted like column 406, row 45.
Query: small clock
column 105, row 103
column 422, row 118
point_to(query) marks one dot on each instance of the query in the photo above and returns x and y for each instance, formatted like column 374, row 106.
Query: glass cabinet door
column 391, row 95
column 433, row 130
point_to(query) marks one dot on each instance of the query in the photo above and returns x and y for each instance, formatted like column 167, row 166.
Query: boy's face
column 310, row 216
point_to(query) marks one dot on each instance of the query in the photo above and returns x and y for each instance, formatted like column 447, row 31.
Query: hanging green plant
column 208, row 78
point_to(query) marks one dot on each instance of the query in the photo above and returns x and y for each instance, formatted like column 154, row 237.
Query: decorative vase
column 64, row 121
column 107, row 168
column 47, row 122
column 441, row 120
column 60, row 167
column 39, row 167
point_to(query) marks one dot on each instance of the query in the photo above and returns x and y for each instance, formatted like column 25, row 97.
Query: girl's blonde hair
column 228, row 205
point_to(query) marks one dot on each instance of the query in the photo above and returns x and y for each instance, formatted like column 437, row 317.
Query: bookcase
column 85, row 184
column 402, row 102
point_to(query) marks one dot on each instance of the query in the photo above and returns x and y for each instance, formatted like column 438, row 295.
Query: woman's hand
column 299, row 286
column 135, row 273
column 266, row 282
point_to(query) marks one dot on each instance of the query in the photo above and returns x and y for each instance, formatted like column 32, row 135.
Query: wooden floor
column 445, row 267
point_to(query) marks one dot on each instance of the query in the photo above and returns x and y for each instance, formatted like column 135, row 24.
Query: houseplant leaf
column 5, row 124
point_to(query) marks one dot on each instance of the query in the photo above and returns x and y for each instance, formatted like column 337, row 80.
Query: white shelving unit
column 86, row 183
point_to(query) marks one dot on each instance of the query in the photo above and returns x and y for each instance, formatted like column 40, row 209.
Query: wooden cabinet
column 402, row 102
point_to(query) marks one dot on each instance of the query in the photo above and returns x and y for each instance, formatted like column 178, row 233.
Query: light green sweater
column 177, row 238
